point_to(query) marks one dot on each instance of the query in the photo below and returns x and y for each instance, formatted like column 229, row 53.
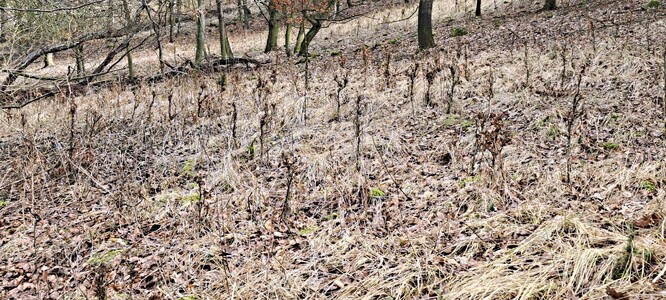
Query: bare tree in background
column 424, row 29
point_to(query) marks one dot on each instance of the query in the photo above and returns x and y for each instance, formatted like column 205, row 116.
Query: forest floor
column 545, row 180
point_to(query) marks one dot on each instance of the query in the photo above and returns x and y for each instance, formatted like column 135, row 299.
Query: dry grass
column 125, row 209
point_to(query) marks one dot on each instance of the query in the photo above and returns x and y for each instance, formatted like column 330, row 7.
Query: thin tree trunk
column 309, row 36
column 48, row 60
column 201, row 19
column 158, row 36
column 240, row 11
column 130, row 65
column 287, row 39
column 179, row 11
column 299, row 38
column 80, row 62
column 478, row 8
column 425, row 37
column 172, row 20
column 273, row 28
column 246, row 14
column 225, row 48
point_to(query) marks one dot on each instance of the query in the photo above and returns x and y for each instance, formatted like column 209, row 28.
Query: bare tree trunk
column 309, row 36
column 273, row 28
column 478, row 8
column 299, row 38
column 225, row 48
column 287, row 39
column 550, row 5
column 157, row 30
column 48, row 60
column 201, row 26
column 80, row 62
column 179, row 11
column 172, row 20
column 425, row 37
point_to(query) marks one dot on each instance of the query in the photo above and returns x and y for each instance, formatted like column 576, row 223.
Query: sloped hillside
column 525, row 158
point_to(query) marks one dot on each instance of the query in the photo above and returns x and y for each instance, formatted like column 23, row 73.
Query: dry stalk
column 342, row 82
column 593, row 35
column 563, row 55
column 454, row 80
column 307, row 89
column 135, row 105
column 527, row 66
column 663, row 100
column 573, row 114
column 357, row 132
column 170, row 114
column 491, row 83
column 430, row 78
column 288, row 160
column 387, row 67
column 234, row 120
column 411, row 73
column 149, row 113
column 201, row 100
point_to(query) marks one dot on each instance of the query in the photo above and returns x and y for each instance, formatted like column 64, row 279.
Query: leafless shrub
column 492, row 135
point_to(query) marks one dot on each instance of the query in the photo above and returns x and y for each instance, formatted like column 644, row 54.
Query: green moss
column 609, row 146
column 393, row 41
column 335, row 53
column 332, row 216
column 458, row 31
column 455, row 121
column 308, row 230
column 653, row 4
column 3, row 203
column 99, row 259
column 190, row 199
column 467, row 180
column 189, row 166
column 649, row 186
column 376, row 192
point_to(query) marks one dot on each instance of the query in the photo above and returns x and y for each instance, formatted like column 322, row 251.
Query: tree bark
column 478, row 8
column 225, row 48
column 273, row 28
column 33, row 56
column 80, row 62
column 425, row 37
column 157, row 30
column 48, row 60
column 309, row 36
column 299, row 38
column 287, row 39
column 201, row 41
column 179, row 11
column 172, row 20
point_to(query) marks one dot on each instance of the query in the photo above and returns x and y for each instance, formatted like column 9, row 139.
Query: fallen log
column 22, row 98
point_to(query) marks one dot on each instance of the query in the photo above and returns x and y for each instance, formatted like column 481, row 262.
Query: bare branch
column 51, row 10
